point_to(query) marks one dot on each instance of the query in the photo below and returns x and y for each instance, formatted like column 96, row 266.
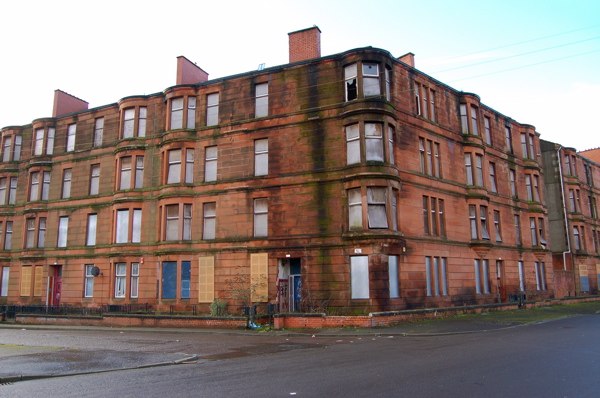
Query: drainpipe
column 564, row 206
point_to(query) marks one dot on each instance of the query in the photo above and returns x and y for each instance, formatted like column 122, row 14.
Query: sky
column 534, row 61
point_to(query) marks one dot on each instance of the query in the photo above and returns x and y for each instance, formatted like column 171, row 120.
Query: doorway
column 54, row 285
column 289, row 285
column 502, row 294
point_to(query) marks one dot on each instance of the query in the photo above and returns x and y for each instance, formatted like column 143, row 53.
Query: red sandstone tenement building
column 352, row 182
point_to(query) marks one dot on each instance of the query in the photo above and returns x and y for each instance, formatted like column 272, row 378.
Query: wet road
column 554, row 359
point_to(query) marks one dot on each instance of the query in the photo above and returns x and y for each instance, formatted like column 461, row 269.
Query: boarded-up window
column 37, row 285
column 206, row 279
column 584, row 279
column 259, row 277
column 359, row 273
column 26, row 272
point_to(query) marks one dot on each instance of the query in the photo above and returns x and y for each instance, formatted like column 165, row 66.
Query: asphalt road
column 553, row 359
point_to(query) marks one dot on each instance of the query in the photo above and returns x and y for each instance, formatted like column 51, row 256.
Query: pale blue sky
column 535, row 61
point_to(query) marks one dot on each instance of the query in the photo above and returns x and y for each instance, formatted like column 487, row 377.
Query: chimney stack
column 408, row 59
column 65, row 103
column 188, row 72
column 305, row 44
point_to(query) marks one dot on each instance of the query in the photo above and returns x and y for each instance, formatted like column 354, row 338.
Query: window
column 30, row 232
column 436, row 276
column 527, row 146
column 393, row 276
column 540, row 275
column 34, row 186
column 376, row 201
column 391, row 144
column 206, row 279
column 541, row 231
column 130, row 129
column 589, row 177
column 35, row 227
column 352, row 144
column 71, row 131
column 41, row 242
column 354, row 209
column 468, row 113
column 261, row 157
column 572, row 204
column 212, row 109
column 178, row 222
column 43, row 140
column 4, row 281
column 518, row 237
column 259, row 277
column 395, row 209
column 433, row 216
column 528, row 187
column 483, row 222
column 169, row 280
column 262, row 100
column 425, row 101
column 210, row 163
column 26, row 280
column 45, row 185
column 479, row 170
column 90, row 239
column 210, row 218
column 8, row 235
column 474, row 122
column 469, row 169
column 98, row 131
column 88, row 283
column 177, row 113
column 374, row 141
column 537, row 195
column 94, row 179
column 487, row 130
column 497, row 226
column 473, row 222
column 577, row 241
column 129, row 177
column 63, row 229
column 508, row 139
column 66, row 184
column 593, row 209
column 351, row 83
column 191, row 112
column 185, row 279
column 492, row 171
column 429, row 157
column 482, row 276
column 371, row 79
column 175, row 172
column 512, row 174
column 521, row 276
column 474, row 174
column 124, row 218
column 134, row 280
column 464, row 119
column 120, row 280
column 261, row 213
column 359, row 274
column 12, row 190
column 11, row 147
column 3, row 190
column 388, row 83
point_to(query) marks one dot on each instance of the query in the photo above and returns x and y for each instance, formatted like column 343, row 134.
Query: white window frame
column 209, row 220
column 261, row 217
column 88, row 281
column 63, row 231
column 359, row 277
column 98, row 131
column 261, row 108
column 393, row 285
column 120, row 280
column 71, row 135
column 92, row 224
column 212, row 109
column 211, row 156
column 261, row 157
column 134, row 290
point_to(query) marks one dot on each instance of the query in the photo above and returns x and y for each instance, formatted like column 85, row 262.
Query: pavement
column 20, row 362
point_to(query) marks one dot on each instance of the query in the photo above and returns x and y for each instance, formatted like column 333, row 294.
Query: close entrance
column 289, row 285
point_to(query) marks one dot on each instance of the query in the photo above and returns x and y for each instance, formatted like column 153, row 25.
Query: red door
column 56, row 285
